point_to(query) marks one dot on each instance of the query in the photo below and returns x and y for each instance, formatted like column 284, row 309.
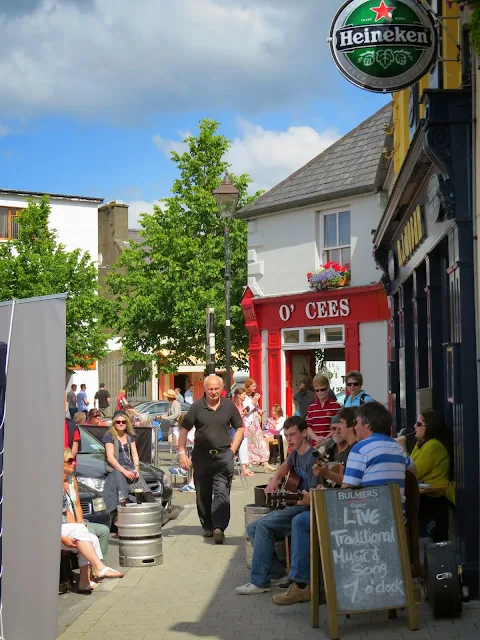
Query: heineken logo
column 383, row 46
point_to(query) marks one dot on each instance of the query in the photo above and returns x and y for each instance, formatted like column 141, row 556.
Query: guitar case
column 443, row 580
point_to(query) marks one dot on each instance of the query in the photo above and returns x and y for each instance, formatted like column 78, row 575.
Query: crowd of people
column 361, row 453
column 357, row 451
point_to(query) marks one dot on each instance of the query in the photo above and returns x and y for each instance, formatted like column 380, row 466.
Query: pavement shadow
column 229, row 616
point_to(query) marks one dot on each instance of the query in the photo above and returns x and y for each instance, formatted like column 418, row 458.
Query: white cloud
column 167, row 146
column 267, row 156
column 135, row 209
column 271, row 156
column 118, row 59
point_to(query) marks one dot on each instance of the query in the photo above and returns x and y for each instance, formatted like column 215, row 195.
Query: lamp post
column 227, row 196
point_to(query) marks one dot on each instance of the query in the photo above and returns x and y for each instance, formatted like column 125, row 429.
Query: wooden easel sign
column 360, row 536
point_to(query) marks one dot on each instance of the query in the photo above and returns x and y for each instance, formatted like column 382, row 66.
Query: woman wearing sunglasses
column 95, row 418
column 75, row 535
column 357, row 396
column 433, row 458
column 122, row 464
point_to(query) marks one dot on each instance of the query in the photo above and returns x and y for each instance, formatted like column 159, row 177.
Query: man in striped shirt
column 376, row 458
column 321, row 412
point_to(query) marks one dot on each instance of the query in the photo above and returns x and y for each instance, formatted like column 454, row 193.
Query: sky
column 96, row 93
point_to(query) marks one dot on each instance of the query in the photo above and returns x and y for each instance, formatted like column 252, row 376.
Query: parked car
column 157, row 407
column 90, row 471
column 93, row 505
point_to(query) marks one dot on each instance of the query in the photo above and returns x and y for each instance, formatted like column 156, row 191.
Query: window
column 8, row 223
column 291, row 336
column 336, row 237
column 308, row 337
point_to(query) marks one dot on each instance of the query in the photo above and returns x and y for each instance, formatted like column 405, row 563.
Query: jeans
column 103, row 534
column 300, row 551
column 263, row 534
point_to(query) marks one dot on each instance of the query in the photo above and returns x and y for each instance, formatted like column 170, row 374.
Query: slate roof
column 352, row 165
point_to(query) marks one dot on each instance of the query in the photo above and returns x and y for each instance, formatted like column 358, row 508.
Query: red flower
column 337, row 267
column 343, row 269
column 309, row 275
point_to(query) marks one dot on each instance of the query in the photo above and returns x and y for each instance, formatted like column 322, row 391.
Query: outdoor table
column 432, row 489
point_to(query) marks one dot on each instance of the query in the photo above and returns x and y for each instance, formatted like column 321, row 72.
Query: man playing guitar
column 267, row 569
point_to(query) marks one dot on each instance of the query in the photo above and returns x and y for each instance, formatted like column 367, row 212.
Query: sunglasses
column 120, row 422
column 69, row 460
column 353, row 384
column 322, row 389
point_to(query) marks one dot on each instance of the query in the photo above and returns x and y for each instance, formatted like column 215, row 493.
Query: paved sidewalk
column 192, row 596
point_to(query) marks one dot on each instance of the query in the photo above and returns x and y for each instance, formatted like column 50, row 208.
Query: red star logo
column 383, row 11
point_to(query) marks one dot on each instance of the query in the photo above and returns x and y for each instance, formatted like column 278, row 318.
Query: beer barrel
column 140, row 534
column 252, row 513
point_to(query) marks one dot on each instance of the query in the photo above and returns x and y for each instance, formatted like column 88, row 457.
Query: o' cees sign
column 383, row 45
column 318, row 310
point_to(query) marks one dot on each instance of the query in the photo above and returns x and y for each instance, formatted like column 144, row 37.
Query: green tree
column 163, row 284
column 36, row 265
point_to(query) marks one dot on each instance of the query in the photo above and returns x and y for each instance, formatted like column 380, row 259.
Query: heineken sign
column 383, row 45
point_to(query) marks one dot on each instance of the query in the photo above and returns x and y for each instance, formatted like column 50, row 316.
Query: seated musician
column 432, row 455
column 265, row 532
column 343, row 438
column 376, row 459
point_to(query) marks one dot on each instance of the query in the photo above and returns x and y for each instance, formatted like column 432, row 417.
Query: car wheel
column 167, row 506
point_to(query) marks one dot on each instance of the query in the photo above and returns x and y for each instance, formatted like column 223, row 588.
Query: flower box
column 331, row 275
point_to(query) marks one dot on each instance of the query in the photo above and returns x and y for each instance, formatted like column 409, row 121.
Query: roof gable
column 352, row 165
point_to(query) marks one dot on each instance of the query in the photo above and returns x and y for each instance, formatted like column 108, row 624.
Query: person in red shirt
column 71, row 437
column 322, row 410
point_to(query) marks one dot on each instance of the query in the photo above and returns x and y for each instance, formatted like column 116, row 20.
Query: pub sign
column 383, row 45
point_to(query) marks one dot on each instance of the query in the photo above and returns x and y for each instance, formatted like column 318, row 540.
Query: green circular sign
column 383, row 45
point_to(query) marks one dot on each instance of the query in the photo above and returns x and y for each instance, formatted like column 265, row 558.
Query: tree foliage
column 36, row 265
column 163, row 285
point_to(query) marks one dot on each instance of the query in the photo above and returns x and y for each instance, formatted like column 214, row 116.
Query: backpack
column 362, row 398
column 116, row 450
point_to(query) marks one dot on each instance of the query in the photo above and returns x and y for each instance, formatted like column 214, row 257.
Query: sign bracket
column 439, row 21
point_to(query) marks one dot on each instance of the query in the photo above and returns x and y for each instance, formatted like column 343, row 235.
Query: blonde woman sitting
column 76, row 537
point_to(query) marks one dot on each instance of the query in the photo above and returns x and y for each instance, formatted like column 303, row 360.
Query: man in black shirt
column 213, row 455
column 103, row 398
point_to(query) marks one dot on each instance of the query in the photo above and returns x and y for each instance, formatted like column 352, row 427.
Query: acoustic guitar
column 289, row 493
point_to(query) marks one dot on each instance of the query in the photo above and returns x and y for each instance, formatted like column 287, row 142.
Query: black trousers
column 213, row 475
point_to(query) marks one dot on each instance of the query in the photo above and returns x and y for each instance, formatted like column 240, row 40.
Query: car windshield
column 89, row 443
column 141, row 406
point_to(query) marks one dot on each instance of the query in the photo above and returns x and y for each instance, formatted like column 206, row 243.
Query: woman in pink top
column 238, row 398
column 258, row 450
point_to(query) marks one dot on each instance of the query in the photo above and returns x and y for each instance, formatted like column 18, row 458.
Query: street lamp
column 227, row 196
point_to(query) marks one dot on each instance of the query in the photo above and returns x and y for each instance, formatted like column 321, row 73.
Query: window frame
column 323, row 344
column 12, row 213
column 338, row 247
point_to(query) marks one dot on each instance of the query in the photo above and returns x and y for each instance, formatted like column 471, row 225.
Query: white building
column 325, row 211
column 75, row 219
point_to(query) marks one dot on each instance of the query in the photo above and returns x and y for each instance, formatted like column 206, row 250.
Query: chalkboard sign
column 363, row 550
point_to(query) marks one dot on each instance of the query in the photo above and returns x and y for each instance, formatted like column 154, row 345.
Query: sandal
column 91, row 587
column 105, row 570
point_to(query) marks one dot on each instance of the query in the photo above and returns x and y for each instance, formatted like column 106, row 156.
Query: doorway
column 301, row 363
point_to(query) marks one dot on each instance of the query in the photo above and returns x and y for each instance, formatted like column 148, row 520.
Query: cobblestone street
column 192, row 595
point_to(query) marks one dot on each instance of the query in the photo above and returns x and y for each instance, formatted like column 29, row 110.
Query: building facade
column 75, row 220
column 425, row 246
column 326, row 211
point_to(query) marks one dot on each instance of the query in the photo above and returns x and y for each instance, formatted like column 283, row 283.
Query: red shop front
column 288, row 334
